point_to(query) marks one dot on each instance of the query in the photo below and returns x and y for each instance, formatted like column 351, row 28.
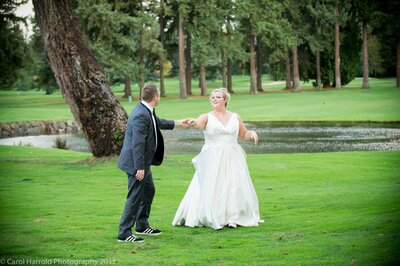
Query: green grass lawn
column 380, row 103
column 319, row 209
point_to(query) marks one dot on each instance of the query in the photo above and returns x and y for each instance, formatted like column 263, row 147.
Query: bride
column 221, row 192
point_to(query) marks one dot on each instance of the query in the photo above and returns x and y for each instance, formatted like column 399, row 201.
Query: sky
column 26, row 10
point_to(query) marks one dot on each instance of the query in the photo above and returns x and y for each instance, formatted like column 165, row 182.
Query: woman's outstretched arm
column 246, row 134
column 199, row 122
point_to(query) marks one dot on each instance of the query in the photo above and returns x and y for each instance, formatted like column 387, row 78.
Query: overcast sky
column 26, row 11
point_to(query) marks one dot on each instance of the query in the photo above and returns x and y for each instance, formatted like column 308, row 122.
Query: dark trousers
column 138, row 205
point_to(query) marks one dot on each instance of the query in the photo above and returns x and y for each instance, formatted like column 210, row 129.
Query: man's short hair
column 149, row 91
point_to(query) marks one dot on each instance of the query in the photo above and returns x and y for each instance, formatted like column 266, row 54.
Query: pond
column 274, row 138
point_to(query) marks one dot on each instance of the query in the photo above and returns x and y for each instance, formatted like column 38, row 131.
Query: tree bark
column 338, row 82
column 127, row 88
column 203, row 85
column 288, row 72
column 398, row 64
column 229, row 75
column 223, row 68
column 80, row 77
column 141, row 54
column 365, row 56
column 253, row 73
column 229, row 59
column 141, row 62
column 318, row 78
column 188, row 54
column 183, row 92
column 296, row 76
column 259, row 65
column 162, row 41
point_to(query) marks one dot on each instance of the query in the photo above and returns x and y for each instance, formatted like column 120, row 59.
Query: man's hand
column 139, row 175
column 184, row 122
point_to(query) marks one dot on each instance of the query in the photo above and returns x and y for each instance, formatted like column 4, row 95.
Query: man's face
column 157, row 99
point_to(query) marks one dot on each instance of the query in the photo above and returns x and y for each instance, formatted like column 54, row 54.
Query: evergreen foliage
column 125, row 37
column 14, row 51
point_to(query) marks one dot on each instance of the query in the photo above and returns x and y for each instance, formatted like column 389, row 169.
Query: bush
column 60, row 143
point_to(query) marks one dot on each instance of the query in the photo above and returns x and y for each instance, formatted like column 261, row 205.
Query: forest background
column 320, row 208
column 139, row 41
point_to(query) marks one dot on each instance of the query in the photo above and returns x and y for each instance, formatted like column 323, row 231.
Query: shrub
column 60, row 143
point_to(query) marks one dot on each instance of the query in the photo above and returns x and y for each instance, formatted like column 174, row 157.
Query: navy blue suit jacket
column 139, row 150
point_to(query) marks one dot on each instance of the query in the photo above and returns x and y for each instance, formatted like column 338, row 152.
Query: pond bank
column 275, row 137
column 34, row 128
column 51, row 127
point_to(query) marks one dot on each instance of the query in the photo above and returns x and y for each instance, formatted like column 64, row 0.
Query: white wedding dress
column 221, row 191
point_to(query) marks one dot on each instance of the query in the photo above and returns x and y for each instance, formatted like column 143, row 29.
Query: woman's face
column 217, row 99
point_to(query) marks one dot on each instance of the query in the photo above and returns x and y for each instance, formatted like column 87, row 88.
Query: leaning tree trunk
column 80, row 77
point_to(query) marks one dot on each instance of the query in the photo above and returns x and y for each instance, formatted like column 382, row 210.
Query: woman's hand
column 183, row 122
column 253, row 135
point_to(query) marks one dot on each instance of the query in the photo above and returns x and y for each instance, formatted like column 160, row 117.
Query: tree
column 246, row 12
column 262, row 22
column 80, row 77
column 295, row 17
column 259, row 61
column 228, row 41
column 41, row 74
column 110, row 38
column 162, row 10
column 318, row 34
column 341, row 16
column 269, row 37
column 182, row 13
column 386, row 26
column 14, row 51
column 288, row 72
column 252, row 59
column 205, row 31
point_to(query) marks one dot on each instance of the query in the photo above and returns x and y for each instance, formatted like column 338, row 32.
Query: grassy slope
column 320, row 209
column 380, row 103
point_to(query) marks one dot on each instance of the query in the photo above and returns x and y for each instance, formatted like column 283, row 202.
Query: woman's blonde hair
column 225, row 94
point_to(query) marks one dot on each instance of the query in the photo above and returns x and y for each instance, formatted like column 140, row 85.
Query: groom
column 143, row 146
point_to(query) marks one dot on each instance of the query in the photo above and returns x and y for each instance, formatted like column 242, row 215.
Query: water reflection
column 299, row 138
column 274, row 138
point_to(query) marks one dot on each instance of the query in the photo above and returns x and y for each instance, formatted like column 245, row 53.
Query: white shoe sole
column 123, row 241
column 147, row 234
